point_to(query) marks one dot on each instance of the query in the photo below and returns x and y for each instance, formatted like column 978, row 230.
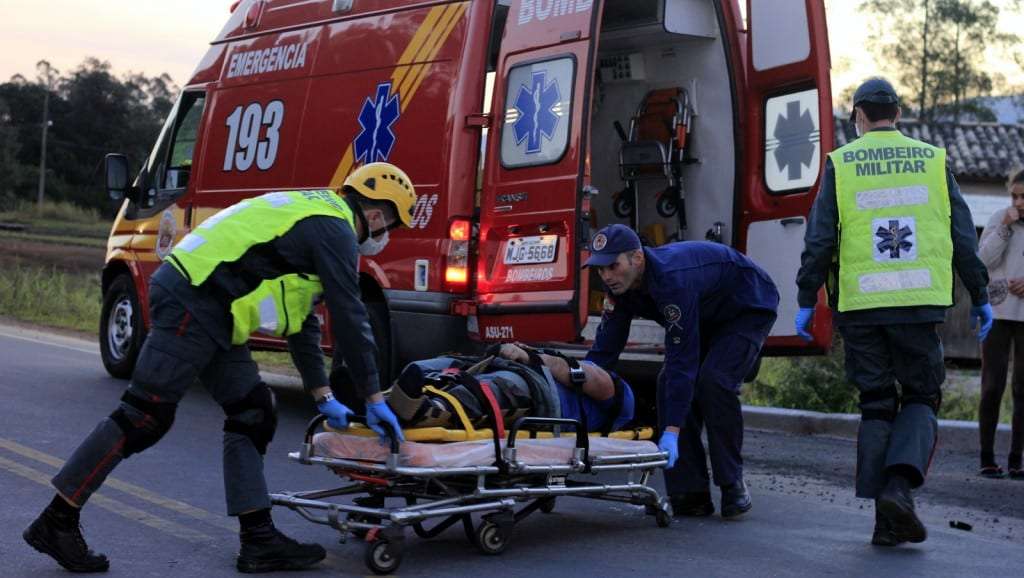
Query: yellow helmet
column 385, row 182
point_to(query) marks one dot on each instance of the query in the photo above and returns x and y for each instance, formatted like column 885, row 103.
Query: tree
column 937, row 48
column 93, row 112
column 11, row 171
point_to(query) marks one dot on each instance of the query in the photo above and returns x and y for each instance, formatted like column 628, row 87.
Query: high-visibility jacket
column 895, row 245
column 278, row 306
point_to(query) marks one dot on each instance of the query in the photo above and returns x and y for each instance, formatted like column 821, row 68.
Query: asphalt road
column 162, row 512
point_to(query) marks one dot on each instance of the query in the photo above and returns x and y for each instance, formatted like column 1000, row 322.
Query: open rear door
column 787, row 106
column 532, row 207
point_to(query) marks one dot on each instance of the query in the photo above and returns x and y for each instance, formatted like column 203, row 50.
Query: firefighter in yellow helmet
column 258, row 266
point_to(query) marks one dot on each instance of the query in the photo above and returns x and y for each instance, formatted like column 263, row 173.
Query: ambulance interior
column 662, row 128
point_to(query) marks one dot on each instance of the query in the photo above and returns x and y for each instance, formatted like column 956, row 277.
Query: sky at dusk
column 156, row 36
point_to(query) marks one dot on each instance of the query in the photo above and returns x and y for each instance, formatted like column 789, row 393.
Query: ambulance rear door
column 787, row 125
column 532, row 206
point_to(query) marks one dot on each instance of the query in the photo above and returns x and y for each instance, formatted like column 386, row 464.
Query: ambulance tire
column 378, row 314
column 121, row 330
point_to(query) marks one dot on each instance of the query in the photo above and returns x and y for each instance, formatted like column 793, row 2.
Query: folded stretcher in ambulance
column 501, row 465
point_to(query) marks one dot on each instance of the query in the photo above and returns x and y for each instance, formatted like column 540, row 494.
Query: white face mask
column 371, row 246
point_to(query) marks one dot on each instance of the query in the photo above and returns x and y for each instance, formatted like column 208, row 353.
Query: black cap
column 877, row 90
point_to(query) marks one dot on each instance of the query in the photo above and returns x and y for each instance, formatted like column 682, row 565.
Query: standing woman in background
column 1002, row 250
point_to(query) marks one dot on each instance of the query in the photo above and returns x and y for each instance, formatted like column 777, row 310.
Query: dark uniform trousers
column 897, row 428
column 177, row 351
column 728, row 355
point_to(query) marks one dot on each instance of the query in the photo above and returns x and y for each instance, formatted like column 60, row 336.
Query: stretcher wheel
column 547, row 506
column 491, row 538
column 662, row 518
column 382, row 557
column 623, row 204
column 666, row 204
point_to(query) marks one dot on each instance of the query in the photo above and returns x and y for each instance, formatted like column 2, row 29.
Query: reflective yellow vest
column 277, row 307
column 895, row 246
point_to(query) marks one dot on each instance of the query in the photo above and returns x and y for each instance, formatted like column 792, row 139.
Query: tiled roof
column 974, row 151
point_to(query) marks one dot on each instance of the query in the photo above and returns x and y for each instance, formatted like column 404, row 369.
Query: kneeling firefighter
column 257, row 266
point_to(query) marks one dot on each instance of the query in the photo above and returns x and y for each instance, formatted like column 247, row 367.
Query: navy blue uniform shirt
column 688, row 288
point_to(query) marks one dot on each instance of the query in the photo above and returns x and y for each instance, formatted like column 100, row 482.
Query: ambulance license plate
column 529, row 250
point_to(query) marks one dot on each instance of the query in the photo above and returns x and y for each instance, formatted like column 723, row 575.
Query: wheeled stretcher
column 430, row 486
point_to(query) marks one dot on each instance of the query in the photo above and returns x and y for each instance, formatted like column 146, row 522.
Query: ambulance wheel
column 382, row 557
column 666, row 205
column 491, row 538
column 121, row 331
column 547, row 506
column 622, row 204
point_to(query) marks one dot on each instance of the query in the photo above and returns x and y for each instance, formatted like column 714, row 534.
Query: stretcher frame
column 455, row 494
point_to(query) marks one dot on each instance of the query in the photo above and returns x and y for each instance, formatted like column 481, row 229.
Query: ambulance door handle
column 342, row 6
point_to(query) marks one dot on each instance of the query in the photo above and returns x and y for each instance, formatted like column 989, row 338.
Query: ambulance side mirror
column 116, row 169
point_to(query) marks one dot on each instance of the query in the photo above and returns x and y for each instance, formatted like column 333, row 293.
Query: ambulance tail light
column 456, row 270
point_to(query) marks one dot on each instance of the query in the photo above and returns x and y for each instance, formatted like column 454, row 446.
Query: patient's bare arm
column 598, row 384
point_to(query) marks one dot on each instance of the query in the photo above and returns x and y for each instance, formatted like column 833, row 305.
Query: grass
column 818, row 384
column 48, row 296
column 56, row 239
column 58, row 222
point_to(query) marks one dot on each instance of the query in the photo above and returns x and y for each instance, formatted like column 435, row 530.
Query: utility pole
column 47, row 73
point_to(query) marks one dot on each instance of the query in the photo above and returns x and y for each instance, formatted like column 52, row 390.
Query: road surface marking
column 121, row 509
column 130, row 489
column 54, row 344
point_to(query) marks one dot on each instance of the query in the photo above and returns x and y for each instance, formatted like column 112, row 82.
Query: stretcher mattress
column 536, row 452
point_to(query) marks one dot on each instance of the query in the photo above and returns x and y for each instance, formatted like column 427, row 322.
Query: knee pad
column 255, row 417
column 881, row 404
column 143, row 422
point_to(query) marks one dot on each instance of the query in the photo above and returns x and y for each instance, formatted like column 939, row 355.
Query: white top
column 1002, row 251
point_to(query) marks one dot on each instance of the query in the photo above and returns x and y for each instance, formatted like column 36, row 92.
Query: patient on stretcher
column 517, row 381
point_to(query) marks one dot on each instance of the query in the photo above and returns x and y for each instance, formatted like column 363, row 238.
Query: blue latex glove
column 803, row 321
column 669, row 442
column 336, row 412
column 981, row 315
column 380, row 412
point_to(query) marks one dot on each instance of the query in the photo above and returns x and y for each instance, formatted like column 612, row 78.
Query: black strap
column 878, row 414
column 881, row 394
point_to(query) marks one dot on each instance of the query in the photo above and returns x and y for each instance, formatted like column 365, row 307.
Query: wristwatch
column 329, row 396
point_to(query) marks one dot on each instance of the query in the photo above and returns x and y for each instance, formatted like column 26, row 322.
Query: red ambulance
column 525, row 124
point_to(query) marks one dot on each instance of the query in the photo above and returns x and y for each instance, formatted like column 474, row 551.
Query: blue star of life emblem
column 536, row 117
column 894, row 239
column 377, row 139
column 794, row 132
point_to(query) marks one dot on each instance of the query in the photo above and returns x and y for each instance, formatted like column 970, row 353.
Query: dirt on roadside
column 69, row 258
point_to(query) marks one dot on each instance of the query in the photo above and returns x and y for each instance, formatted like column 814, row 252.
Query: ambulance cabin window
column 182, row 150
column 166, row 174
column 538, row 103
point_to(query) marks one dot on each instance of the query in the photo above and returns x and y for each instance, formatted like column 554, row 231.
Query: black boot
column 897, row 505
column 266, row 549
column 60, row 537
column 883, row 535
column 735, row 500
column 693, row 504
